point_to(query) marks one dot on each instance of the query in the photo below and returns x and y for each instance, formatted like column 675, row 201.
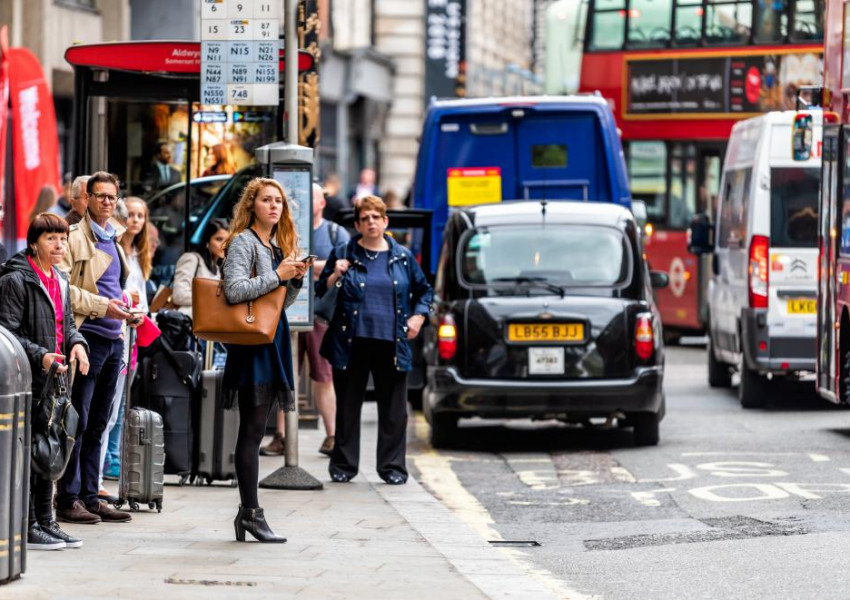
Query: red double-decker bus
column 679, row 74
column 833, row 324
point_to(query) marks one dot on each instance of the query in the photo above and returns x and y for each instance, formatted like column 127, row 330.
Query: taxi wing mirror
column 701, row 235
column 658, row 279
column 802, row 133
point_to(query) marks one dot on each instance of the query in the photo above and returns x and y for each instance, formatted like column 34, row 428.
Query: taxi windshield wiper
column 539, row 282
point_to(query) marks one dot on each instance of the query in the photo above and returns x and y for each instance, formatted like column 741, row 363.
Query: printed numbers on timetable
column 212, row 52
column 239, row 73
column 240, row 51
column 266, row 29
column 213, row 94
column 267, row 52
column 213, row 74
column 239, row 29
column 214, row 29
column 265, row 73
column 239, row 94
column 267, row 9
column 210, row 9
column 240, row 8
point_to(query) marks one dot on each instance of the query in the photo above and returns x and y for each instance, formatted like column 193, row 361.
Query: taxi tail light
column 644, row 337
column 759, row 278
column 447, row 338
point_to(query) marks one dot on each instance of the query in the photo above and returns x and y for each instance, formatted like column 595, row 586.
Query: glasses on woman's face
column 373, row 217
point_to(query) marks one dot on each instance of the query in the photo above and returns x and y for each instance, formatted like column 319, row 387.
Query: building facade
column 47, row 28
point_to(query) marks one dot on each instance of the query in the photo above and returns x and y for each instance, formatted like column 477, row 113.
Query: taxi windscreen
column 572, row 256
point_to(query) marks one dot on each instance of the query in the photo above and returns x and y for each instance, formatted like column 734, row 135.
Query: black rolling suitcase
column 15, row 399
column 217, row 429
column 167, row 385
column 142, row 453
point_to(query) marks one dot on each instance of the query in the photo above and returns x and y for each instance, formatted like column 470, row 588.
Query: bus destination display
column 239, row 52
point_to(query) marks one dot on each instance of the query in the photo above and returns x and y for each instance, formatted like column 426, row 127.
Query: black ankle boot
column 253, row 521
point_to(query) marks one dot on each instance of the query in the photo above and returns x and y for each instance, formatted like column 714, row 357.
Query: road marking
column 648, row 498
column 806, row 490
column 766, row 490
column 683, row 472
column 565, row 502
column 739, row 468
column 622, row 475
column 740, row 453
column 819, row 457
column 543, row 478
column 574, row 477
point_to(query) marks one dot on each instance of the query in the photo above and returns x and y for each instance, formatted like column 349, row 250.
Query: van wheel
column 645, row 429
column 719, row 374
column 752, row 391
column 443, row 430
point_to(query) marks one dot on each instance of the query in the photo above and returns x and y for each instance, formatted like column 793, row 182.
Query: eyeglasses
column 365, row 218
column 107, row 198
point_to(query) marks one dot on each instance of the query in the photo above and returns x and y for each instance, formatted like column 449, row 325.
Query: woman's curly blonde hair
column 283, row 233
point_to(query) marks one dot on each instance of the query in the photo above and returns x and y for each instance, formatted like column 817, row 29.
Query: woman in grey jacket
column 260, row 258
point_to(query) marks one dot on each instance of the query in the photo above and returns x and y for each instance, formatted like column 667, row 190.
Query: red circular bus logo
column 753, row 85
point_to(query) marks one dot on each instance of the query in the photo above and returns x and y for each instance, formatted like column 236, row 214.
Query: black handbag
column 326, row 305
column 54, row 427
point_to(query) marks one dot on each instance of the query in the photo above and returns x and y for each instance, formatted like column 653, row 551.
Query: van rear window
column 794, row 207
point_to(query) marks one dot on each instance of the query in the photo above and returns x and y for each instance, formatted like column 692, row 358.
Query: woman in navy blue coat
column 382, row 303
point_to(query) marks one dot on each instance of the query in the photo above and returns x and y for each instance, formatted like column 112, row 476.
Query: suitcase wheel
column 158, row 505
column 184, row 479
column 119, row 503
column 134, row 506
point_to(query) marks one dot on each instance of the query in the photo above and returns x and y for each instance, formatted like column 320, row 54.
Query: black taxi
column 544, row 310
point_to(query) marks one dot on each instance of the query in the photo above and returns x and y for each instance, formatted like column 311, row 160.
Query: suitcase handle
column 143, row 439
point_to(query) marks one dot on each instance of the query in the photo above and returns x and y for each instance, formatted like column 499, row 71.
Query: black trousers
column 41, row 499
column 378, row 358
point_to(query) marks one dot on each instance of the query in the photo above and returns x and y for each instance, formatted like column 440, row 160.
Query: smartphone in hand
column 310, row 259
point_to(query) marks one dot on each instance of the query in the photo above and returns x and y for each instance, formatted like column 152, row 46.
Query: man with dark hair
column 98, row 270
column 161, row 174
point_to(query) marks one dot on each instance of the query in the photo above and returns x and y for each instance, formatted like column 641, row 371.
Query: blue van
column 489, row 150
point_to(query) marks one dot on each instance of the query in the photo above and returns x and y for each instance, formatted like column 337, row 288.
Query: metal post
column 291, row 476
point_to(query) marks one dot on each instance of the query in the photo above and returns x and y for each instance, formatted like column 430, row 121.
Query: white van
column 762, row 294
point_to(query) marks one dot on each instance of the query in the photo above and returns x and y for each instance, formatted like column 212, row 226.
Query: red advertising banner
column 35, row 143
column 4, row 113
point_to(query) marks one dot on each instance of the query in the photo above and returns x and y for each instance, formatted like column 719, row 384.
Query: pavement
column 353, row 540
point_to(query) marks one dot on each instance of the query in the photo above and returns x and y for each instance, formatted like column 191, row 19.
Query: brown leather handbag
column 162, row 300
column 249, row 323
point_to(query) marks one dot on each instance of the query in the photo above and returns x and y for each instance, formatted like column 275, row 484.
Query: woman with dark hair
column 204, row 263
column 46, row 200
column 36, row 309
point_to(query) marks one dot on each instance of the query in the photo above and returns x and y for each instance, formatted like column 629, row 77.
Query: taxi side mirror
column 658, row 279
column 700, row 235
column 802, row 133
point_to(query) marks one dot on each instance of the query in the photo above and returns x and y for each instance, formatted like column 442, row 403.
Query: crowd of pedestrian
column 84, row 279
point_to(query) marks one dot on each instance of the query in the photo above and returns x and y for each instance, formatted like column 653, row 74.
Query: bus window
column 683, row 193
column 649, row 23
column 647, row 174
column 807, row 20
column 608, row 25
column 771, row 21
column 728, row 22
column 688, row 21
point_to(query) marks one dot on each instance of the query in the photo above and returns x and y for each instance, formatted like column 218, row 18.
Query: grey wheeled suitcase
column 142, row 455
column 15, row 399
column 218, row 430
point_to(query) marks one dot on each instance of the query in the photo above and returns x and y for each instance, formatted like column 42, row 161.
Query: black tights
column 252, row 428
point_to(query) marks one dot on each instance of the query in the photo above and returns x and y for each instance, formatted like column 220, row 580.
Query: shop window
column 609, row 24
column 647, row 173
column 771, row 21
column 649, row 23
column 728, row 22
column 808, row 20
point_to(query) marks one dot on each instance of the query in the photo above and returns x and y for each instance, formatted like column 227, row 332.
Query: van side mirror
column 658, row 279
column 701, row 235
column 802, row 133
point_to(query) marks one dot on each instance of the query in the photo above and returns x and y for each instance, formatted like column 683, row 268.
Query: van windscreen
column 794, row 207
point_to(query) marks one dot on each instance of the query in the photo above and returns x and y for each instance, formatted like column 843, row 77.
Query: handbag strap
column 55, row 381
column 187, row 379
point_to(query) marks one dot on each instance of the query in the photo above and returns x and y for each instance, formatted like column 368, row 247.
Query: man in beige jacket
column 98, row 270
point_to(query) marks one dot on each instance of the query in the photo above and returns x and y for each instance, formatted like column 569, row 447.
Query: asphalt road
column 732, row 503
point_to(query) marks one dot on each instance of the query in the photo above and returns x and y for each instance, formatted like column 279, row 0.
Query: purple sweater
column 108, row 286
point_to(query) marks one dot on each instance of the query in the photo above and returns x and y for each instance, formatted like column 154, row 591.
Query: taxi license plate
column 801, row 306
column 546, row 332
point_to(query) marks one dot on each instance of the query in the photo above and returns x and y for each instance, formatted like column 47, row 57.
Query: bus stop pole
column 291, row 476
